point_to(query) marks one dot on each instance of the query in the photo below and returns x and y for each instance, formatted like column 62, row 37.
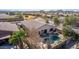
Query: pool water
column 54, row 37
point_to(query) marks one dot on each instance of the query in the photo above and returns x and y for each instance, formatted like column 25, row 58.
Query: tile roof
column 7, row 26
column 33, row 24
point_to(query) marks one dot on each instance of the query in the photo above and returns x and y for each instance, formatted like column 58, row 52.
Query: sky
column 39, row 4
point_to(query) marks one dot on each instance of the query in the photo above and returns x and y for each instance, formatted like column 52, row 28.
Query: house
column 38, row 24
column 6, row 28
column 38, row 31
column 76, row 27
column 5, row 17
column 76, row 30
column 38, row 28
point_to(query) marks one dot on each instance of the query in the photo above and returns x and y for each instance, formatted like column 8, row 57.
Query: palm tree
column 17, row 38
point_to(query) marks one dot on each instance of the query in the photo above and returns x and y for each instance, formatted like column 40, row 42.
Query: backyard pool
column 52, row 38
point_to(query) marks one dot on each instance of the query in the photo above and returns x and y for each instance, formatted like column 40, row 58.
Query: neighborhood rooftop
column 7, row 26
column 4, row 16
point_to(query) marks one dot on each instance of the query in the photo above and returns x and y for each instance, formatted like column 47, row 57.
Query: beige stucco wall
column 48, row 27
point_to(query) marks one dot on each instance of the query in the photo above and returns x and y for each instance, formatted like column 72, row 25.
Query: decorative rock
column 45, row 46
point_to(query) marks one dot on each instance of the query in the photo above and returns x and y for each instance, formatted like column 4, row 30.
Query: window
column 45, row 31
column 51, row 29
column 54, row 30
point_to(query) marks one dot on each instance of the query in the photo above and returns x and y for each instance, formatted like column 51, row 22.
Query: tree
column 75, row 36
column 69, row 32
column 11, row 13
column 17, row 38
column 20, row 16
column 70, row 20
column 56, row 20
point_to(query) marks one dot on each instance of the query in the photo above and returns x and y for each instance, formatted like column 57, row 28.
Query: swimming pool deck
column 58, row 44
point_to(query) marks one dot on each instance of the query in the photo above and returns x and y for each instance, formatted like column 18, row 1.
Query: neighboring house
column 5, row 17
column 61, row 14
column 76, row 27
column 6, row 28
column 76, row 30
column 77, row 23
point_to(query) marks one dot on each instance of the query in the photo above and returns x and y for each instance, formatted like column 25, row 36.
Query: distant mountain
column 8, row 10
